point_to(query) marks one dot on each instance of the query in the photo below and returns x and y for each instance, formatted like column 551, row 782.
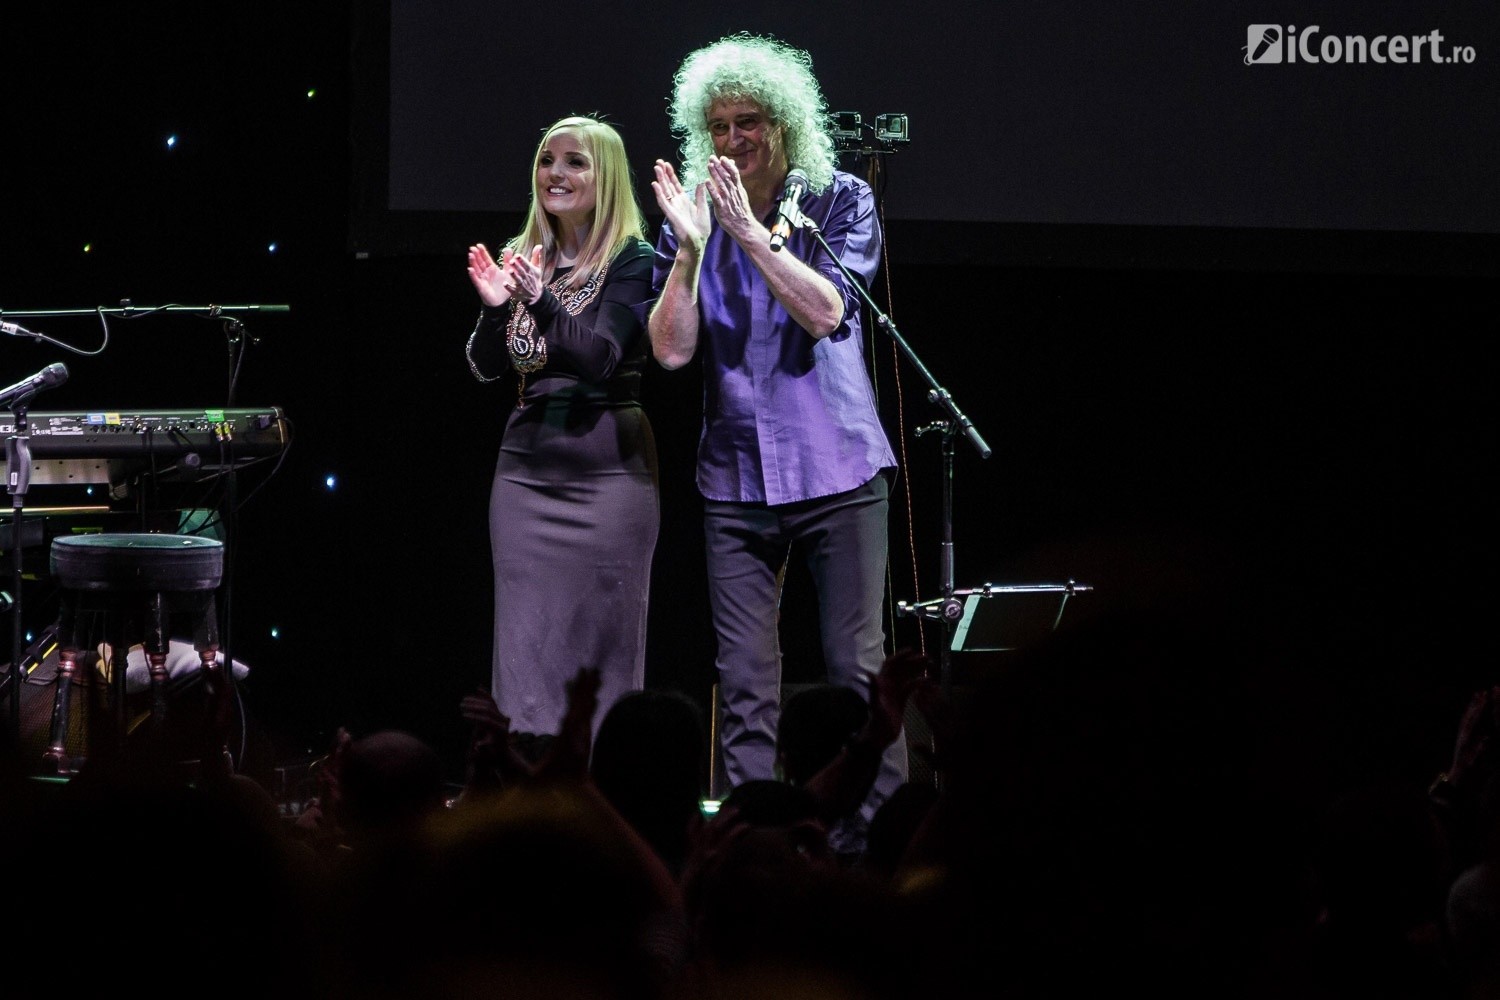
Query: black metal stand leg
column 949, row 608
column 218, row 684
column 18, row 462
column 156, row 645
column 55, row 759
column 119, row 650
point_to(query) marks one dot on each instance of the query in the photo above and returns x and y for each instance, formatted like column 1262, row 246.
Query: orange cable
column 904, row 465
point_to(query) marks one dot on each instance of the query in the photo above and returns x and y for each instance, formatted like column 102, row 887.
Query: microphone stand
column 130, row 310
column 240, row 340
column 18, row 473
column 948, row 608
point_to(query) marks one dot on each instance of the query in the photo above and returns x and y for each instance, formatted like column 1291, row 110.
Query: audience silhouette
column 1087, row 830
column 649, row 763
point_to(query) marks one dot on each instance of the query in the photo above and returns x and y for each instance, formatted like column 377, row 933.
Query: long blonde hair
column 617, row 212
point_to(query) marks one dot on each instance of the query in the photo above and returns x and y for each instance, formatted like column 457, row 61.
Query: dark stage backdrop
column 1296, row 427
column 1183, row 116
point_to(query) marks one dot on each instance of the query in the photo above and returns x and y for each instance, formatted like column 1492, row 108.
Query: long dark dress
column 574, row 509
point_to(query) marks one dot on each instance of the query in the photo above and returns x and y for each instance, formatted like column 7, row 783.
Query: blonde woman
column 574, row 509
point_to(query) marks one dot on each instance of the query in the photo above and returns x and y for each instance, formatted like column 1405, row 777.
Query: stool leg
column 217, row 683
column 55, row 760
column 156, row 646
column 119, row 650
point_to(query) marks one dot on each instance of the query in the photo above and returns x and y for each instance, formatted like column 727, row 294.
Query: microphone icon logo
column 1262, row 44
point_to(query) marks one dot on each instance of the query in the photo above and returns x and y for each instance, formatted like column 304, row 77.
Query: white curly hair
column 772, row 74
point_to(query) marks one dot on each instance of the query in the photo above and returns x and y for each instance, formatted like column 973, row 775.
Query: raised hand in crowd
column 942, row 723
column 1458, row 793
column 318, row 820
column 1477, row 745
column 901, row 676
column 493, row 763
column 567, row 759
column 496, row 763
column 843, row 783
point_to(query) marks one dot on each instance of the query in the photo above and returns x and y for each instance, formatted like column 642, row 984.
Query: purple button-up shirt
column 786, row 416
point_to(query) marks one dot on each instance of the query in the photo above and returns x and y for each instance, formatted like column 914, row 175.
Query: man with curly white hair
column 792, row 449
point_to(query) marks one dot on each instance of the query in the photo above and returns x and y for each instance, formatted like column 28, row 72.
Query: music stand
column 1001, row 618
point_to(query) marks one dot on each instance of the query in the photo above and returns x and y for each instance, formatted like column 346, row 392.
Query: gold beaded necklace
column 525, row 344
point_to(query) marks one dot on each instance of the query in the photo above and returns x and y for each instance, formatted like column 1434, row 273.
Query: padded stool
column 140, row 582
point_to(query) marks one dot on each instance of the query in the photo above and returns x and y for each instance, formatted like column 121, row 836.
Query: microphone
column 15, row 330
column 786, row 212
column 53, row 375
